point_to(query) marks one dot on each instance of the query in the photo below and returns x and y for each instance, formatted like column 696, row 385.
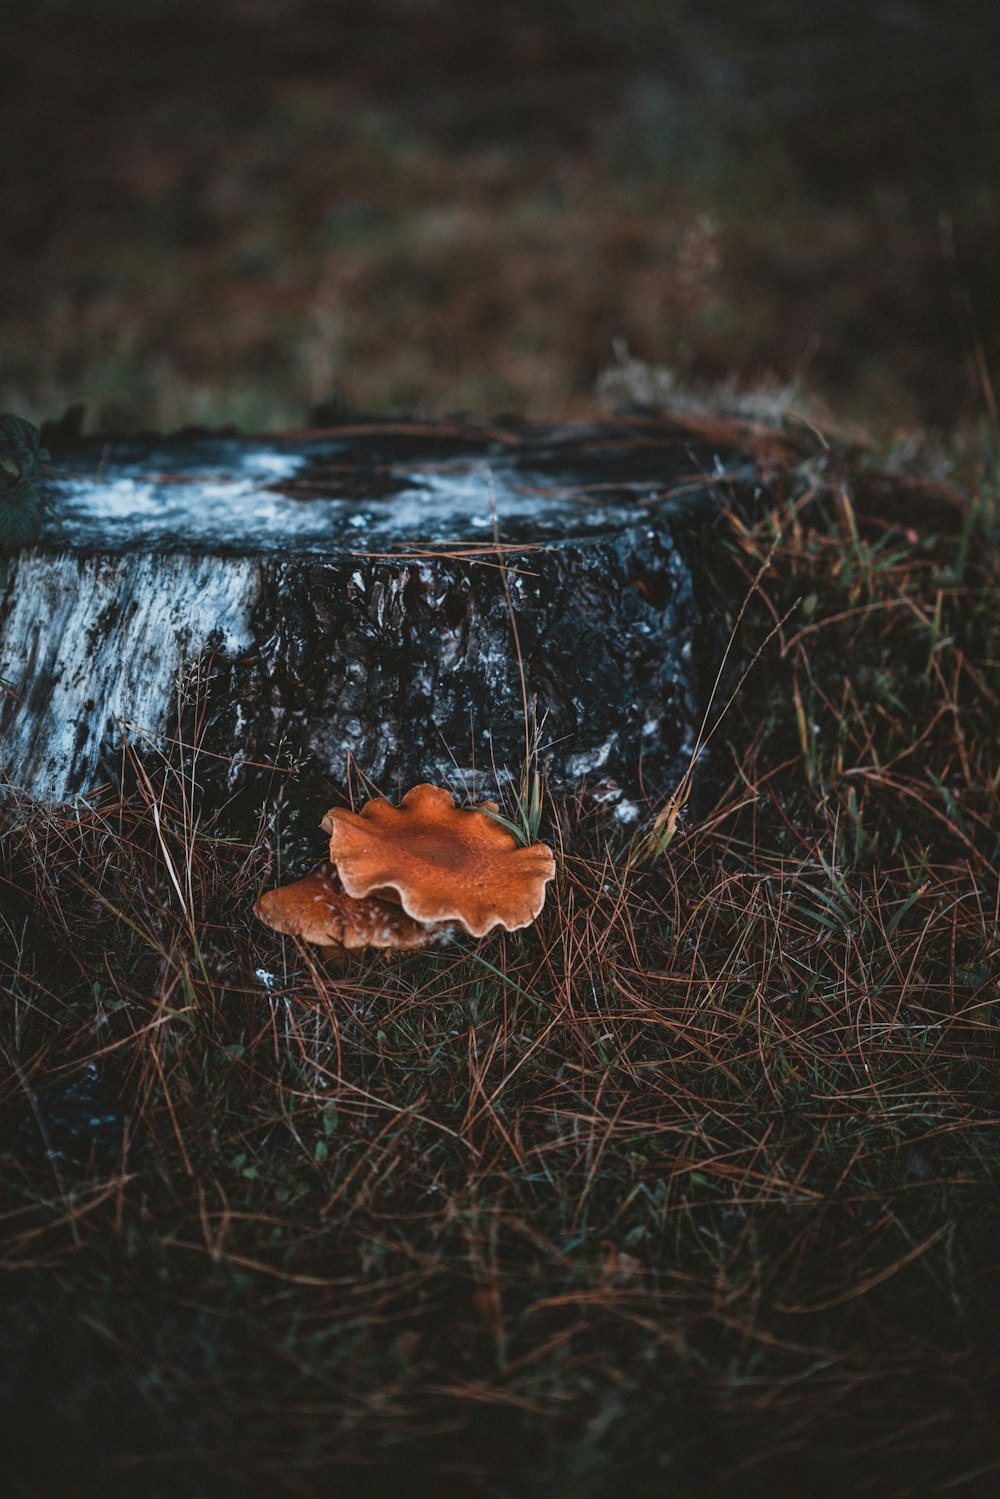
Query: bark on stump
column 366, row 597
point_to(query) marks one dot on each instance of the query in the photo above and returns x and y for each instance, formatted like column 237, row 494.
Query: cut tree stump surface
column 364, row 598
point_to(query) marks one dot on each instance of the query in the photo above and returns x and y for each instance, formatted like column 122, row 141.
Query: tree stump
column 373, row 598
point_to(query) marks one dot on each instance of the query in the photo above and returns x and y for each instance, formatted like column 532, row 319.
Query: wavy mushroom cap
column 319, row 911
column 441, row 862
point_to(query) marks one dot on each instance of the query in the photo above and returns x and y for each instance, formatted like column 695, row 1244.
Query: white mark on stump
column 91, row 640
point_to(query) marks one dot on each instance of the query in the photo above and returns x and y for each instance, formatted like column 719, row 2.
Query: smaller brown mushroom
column 317, row 910
column 439, row 861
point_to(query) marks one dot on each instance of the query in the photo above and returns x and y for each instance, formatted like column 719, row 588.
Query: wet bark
column 371, row 600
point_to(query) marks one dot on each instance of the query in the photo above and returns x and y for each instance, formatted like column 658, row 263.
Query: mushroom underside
column 317, row 909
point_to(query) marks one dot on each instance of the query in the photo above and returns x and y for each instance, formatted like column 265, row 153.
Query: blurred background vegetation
column 240, row 212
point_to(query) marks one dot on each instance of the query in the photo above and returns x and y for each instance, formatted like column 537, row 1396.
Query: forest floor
column 690, row 1188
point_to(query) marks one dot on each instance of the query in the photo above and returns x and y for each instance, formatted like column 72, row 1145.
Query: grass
column 691, row 1188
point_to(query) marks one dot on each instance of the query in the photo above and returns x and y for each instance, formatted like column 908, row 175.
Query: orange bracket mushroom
column 442, row 863
column 316, row 909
